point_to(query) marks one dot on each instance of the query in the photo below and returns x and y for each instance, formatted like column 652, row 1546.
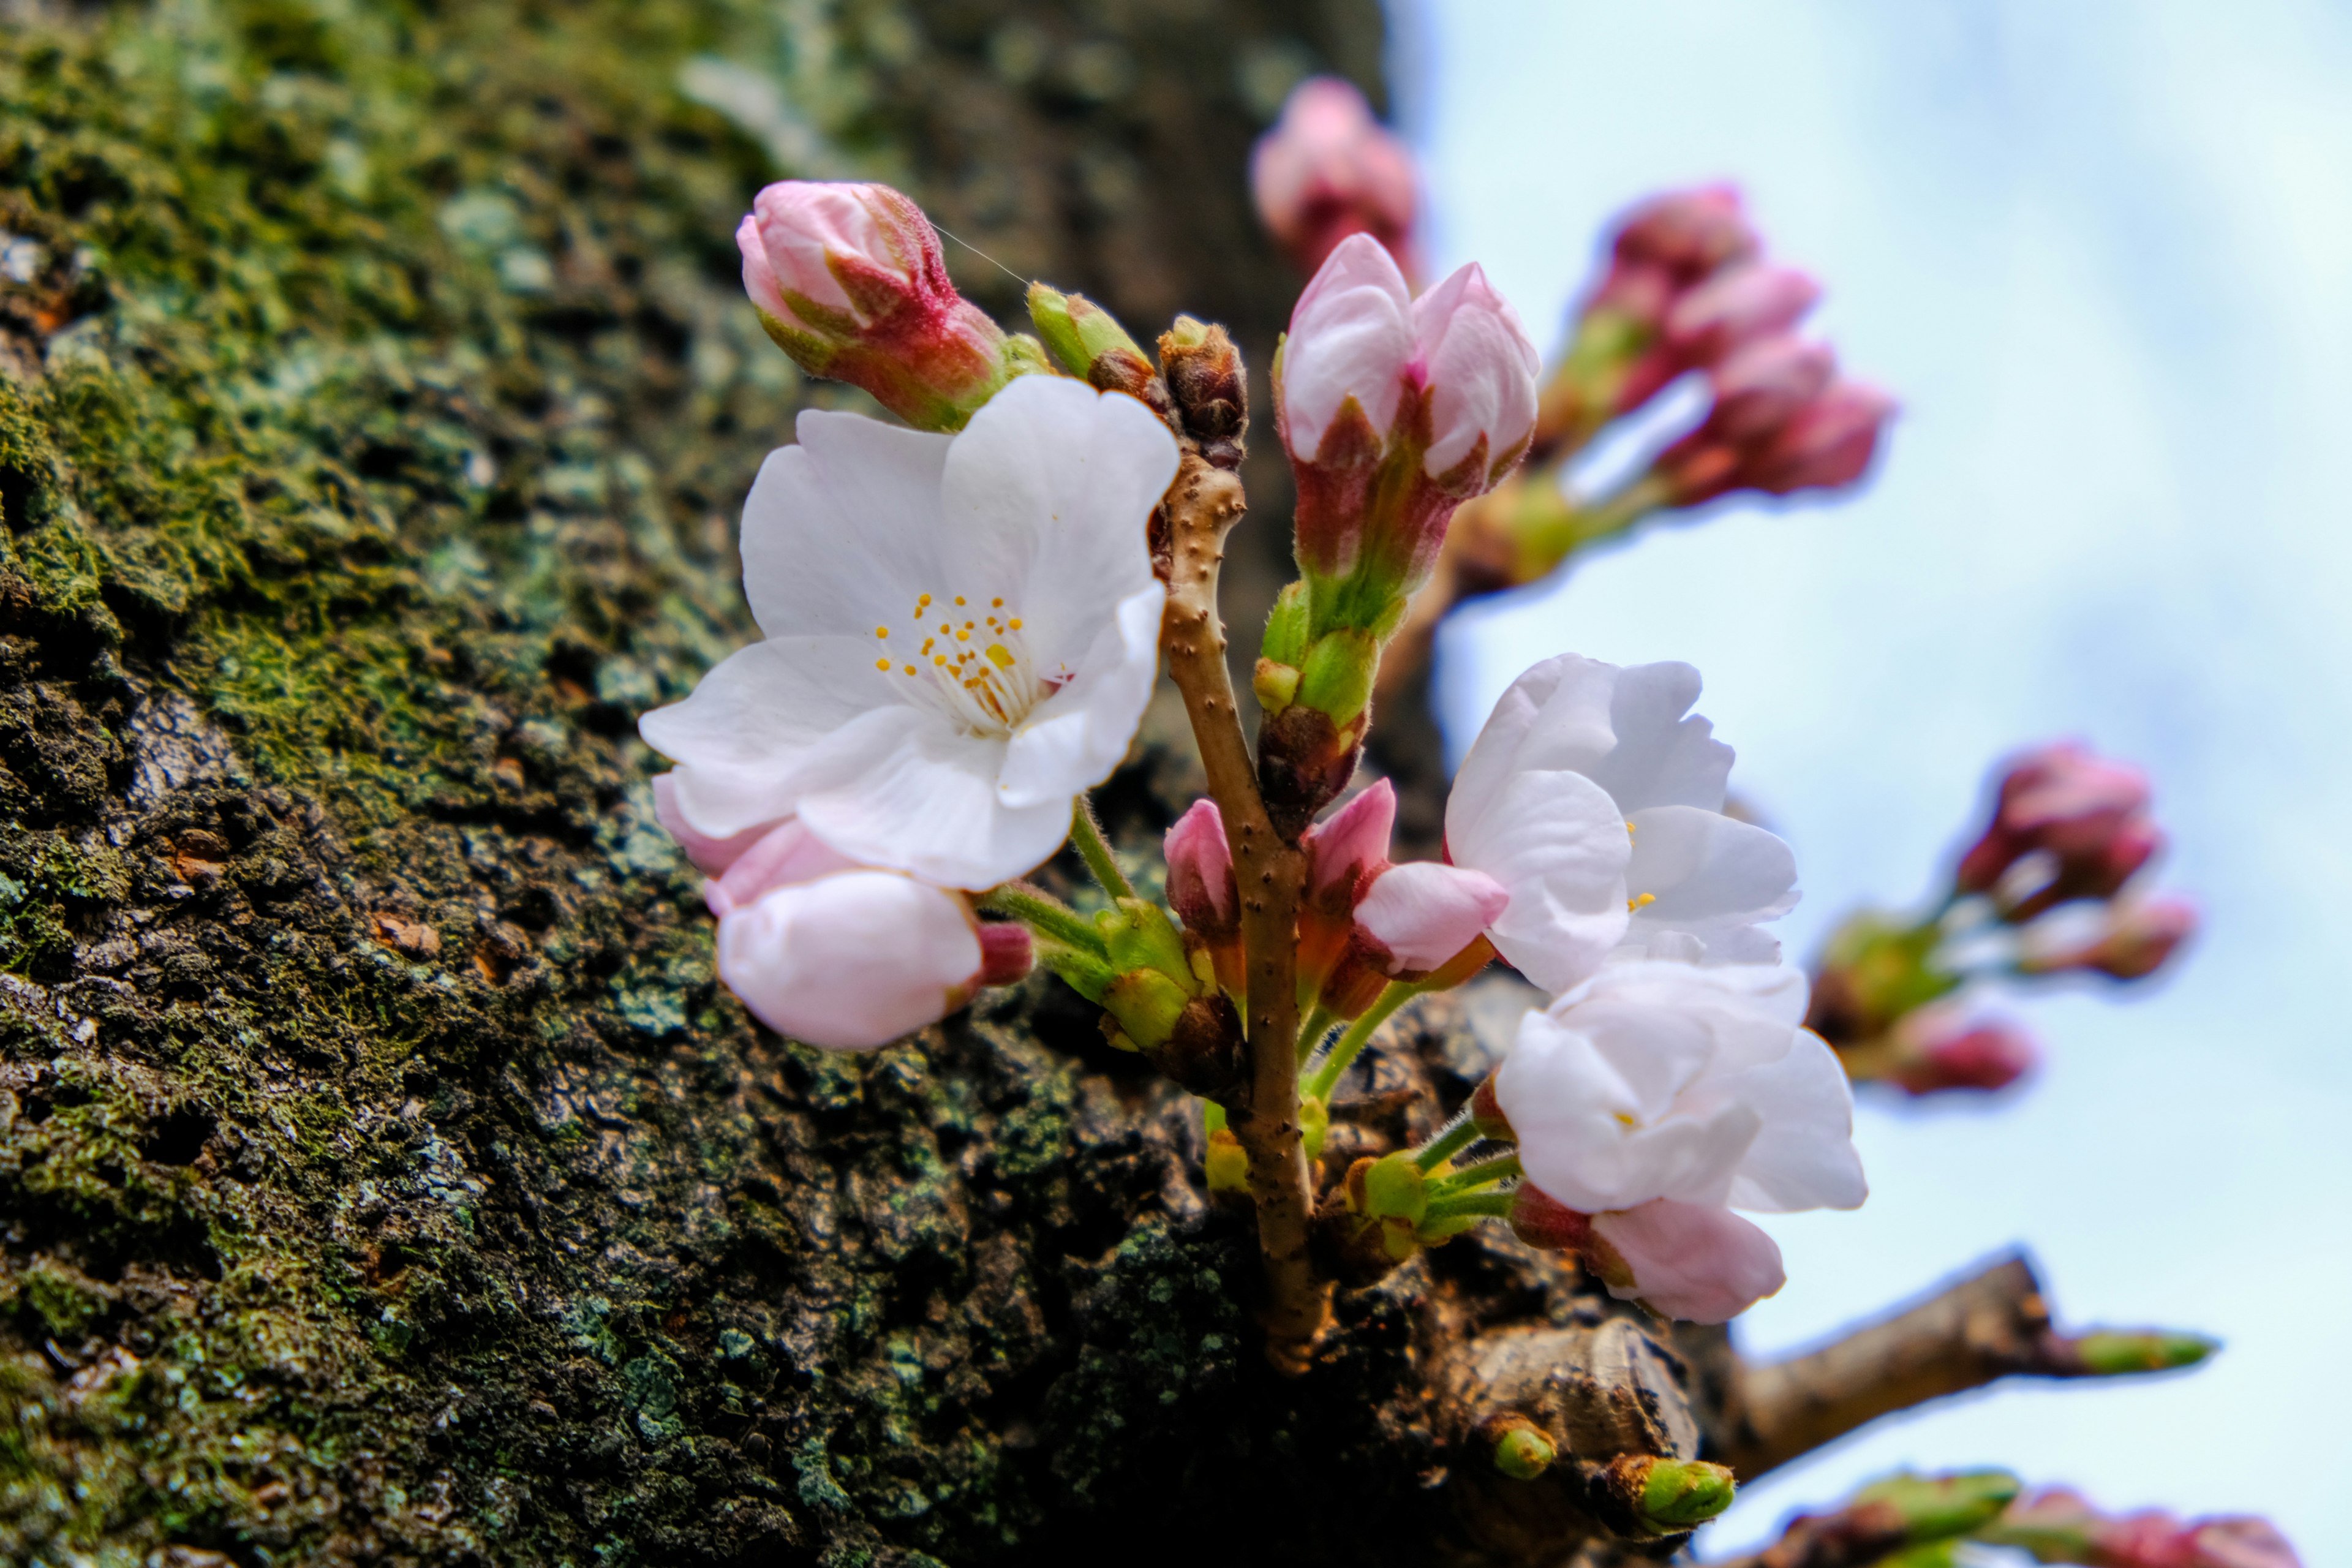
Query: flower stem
column 1311, row 1033
column 1044, row 913
column 1200, row 507
column 1327, row 1076
column 1087, row 833
column 1458, row 1135
column 1485, row 1172
column 1454, row 1206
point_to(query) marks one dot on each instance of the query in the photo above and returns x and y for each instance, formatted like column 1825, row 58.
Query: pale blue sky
column 2103, row 253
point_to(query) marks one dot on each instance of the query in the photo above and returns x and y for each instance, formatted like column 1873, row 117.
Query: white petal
column 1424, row 913
column 1555, row 843
column 1351, row 333
column 852, row 961
column 1623, row 728
column 1711, row 877
column 710, row 856
column 769, row 722
column 1581, row 1131
column 1804, row 1157
column 1554, row 716
column 927, row 805
column 1700, row 1264
column 842, row 532
column 1047, row 497
column 1078, row 737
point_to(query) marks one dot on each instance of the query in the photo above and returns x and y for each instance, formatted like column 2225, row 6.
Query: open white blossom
column 1596, row 799
column 961, row 633
column 1699, row 1083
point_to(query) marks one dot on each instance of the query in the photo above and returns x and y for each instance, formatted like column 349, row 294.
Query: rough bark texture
column 384, row 1176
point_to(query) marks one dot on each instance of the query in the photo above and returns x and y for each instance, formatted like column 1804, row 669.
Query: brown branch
column 1992, row 1325
column 1202, row 505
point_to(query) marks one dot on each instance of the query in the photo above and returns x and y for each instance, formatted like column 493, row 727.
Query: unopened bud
column 850, row 282
column 1211, row 391
column 2060, row 1525
column 1668, row 1497
column 1520, row 1448
column 1934, row 1053
column 1201, row 890
column 1328, row 170
column 1089, row 342
column 1937, row 1508
column 1203, row 1052
column 1829, row 443
column 2112, row 1354
column 1689, row 233
column 2061, row 800
column 1735, row 308
column 1304, row 762
column 1824, row 442
column 2137, row 938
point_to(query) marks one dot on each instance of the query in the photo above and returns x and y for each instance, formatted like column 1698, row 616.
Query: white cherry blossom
column 1596, row 799
column 1698, row 1083
column 961, row 633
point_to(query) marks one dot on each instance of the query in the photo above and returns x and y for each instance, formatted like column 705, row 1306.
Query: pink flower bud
column 1422, row 913
column 1735, row 308
column 1939, row 1051
column 1328, row 170
column 1349, row 847
column 1688, row 232
column 2064, row 801
column 852, row 961
column 1830, row 443
column 2137, row 938
column 1394, row 409
column 849, row 280
column 2058, row 1524
column 1201, row 890
column 1763, row 387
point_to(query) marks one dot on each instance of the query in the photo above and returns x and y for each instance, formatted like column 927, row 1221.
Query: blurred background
column 2103, row 254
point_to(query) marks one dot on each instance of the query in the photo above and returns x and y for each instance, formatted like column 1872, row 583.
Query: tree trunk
column 384, row 1176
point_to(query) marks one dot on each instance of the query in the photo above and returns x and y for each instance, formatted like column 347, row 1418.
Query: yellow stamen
column 963, row 634
column 881, row 631
column 922, row 598
column 999, row 656
column 1640, row 900
column 996, row 603
column 1624, row 1120
column 882, row 664
column 958, row 598
column 910, row 669
column 1013, row 624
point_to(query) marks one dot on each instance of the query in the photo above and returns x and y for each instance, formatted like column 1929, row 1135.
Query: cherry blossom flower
column 1659, row 1090
column 1595, row 799
column 1328, row 170
column 962, row 634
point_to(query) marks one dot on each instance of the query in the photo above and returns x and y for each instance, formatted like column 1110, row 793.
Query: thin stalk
column 1200, row 507
column 1458, row 1135
column 1485, row 1172
column 1087, row 833
column 1044, row 913
column 1327, row 1076
column 1310, row 1034
column 1454, row 1206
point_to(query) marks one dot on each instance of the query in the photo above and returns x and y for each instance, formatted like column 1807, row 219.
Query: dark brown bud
column 1204, row 1054
column 1302, row 766
column 1205, row 374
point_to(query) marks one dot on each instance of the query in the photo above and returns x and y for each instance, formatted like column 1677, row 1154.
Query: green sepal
column 1147, row 1005
column 1085, row 972
column 1138, row 934
column 1077, row 332
column 1337, row 679
column 1394, row 1188
column 1934, row 1508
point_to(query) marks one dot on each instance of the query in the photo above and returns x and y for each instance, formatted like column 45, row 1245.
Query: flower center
column 973, row 667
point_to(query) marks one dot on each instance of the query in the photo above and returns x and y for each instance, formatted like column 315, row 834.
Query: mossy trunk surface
column 384, row 1176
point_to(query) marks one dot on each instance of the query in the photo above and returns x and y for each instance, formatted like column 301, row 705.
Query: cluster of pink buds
column 1328, row 170
column 2050, row 886
column 850, row 282
column 2058, row 1525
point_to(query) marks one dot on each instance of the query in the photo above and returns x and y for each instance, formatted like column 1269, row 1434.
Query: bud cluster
column 1328, row 170
column 2052, row 886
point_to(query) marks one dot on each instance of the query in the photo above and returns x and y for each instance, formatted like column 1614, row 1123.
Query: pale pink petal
column 1352, row 840
column 1349, row 336
column 851, row 961
column 788, row 853
column 710, row 855
column 1425, row 912
column 1690, row 1261
column 1481, row 367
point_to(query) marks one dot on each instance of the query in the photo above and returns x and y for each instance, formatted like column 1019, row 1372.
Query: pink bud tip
column 1987, row 1055
column 1830, row 443
column 1689, row 233
column 2085, row 812
column 1736, row 307
column 1348, row 847
column 1006, row 952
column 1201, row 872
column 1328, row 170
